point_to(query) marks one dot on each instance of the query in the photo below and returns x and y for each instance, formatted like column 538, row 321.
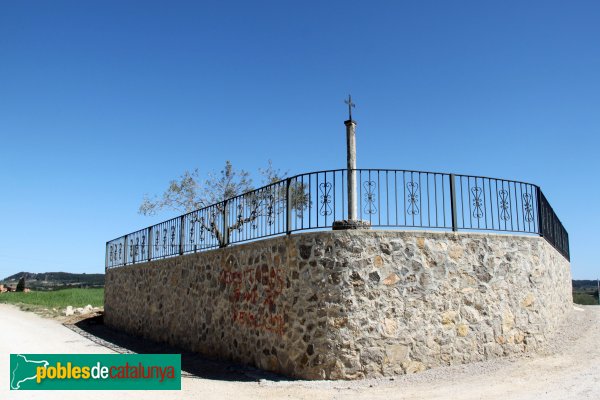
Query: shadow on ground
column 193, row 365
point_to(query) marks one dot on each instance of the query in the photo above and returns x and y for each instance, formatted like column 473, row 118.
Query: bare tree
column 186, row 195
column 270, row 174
column 182, row 195
column 227, row 184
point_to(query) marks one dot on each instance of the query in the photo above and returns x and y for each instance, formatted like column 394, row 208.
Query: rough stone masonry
column 349, row 304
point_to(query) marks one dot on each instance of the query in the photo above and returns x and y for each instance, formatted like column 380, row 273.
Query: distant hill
column 584, row 284
column 55, row 280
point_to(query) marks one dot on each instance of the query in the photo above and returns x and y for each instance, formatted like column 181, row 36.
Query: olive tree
column 189, row 193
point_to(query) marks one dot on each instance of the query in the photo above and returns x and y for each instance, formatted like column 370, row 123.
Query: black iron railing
column 385, row 198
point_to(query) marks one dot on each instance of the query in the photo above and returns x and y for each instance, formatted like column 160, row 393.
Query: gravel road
column 567, row 368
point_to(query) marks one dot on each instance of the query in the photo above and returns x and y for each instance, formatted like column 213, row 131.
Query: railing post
column 125, row 251
column 150, row 243
column 181, row 235
column 225, row 225
column 540, row 216
column 453, row 202
column 288, row 206
column 106, row 258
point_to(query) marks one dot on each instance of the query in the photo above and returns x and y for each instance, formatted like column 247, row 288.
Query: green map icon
column 23, row 370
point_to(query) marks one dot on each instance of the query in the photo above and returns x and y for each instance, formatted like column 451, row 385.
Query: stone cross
column 351, row 105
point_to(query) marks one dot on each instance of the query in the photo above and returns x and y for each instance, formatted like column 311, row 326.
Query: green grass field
column 584, row 299
column 56, row 298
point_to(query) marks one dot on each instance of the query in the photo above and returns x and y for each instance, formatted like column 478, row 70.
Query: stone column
column 351, row 157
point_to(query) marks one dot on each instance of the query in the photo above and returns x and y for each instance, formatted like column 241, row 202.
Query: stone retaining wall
column 349, row 304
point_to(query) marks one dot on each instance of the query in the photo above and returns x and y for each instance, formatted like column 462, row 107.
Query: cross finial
column 350, row 106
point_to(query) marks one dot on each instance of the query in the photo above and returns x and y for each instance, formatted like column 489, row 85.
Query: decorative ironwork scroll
column 369, row 196
column 477, row 202
column 413, row 198
column 202, row 230
column 325, row 199
column 172, row 238
column 193, row 229
column 254, row 204
column 504, row 205
column 270, row 207
column 528, row 205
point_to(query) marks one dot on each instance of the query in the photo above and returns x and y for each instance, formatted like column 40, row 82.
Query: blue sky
column 102, row 102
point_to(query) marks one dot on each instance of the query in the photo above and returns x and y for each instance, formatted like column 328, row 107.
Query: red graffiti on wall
column 270, row 323
column 253, row 295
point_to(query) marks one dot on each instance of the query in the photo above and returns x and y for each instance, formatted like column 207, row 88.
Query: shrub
column 21, row 284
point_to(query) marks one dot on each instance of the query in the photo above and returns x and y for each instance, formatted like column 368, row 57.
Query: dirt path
column 568, row 368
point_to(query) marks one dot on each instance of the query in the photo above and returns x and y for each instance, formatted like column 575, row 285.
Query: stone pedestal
column 350, row 224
